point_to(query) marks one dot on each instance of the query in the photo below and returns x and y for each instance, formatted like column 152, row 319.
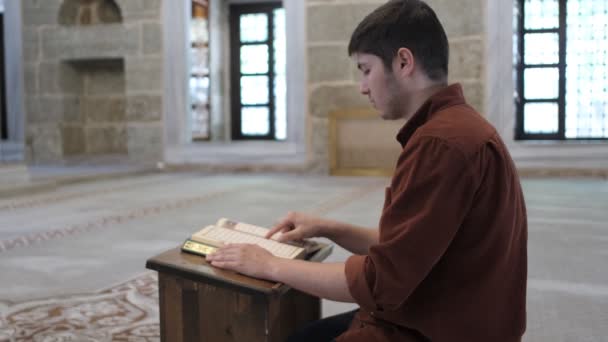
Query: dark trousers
column 324, row 330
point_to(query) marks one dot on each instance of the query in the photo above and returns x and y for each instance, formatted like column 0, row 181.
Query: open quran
column 226, row 231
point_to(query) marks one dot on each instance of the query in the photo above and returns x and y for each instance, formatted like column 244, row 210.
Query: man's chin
column 386, row 116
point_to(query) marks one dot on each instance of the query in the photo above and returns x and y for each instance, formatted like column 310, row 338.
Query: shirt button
column 372, row 314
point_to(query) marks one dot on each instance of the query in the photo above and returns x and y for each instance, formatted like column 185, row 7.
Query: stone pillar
column 176, row 20
column 144, row 81
column 13, row 58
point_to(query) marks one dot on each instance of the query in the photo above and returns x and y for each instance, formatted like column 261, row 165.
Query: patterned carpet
column 125, row 312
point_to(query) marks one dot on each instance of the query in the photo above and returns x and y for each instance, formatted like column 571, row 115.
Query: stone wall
column 93, row 79
column 94, row 86
column 332, row 75
column 463, row 21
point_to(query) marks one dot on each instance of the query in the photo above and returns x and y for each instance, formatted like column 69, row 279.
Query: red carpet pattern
column 126, row 312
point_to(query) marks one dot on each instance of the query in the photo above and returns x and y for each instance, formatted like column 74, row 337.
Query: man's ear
column 405, row 60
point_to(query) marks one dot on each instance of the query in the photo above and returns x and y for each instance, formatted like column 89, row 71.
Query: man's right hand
column 297, row 226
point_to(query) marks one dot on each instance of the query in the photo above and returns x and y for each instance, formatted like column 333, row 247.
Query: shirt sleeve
column 431, row 192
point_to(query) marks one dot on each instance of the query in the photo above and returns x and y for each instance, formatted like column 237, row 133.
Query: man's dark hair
column 404, row 23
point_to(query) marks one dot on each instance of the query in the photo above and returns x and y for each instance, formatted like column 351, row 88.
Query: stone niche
column 93, row 80
column 89, row 12
column 94, row 119
column 93, row 69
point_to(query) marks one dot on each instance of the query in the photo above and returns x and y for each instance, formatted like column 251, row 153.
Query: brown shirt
column 451, row 263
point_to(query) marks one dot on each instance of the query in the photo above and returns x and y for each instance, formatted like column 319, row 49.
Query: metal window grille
column 561, row 69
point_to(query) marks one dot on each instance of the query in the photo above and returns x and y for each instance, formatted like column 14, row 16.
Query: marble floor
column 72, row 258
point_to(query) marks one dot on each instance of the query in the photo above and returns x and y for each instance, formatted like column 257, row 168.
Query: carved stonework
column 89, row 65
column 89, row 12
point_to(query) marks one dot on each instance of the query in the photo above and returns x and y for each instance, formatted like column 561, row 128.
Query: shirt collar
column 449, row 96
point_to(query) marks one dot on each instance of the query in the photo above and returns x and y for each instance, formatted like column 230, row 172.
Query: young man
column 449, row 261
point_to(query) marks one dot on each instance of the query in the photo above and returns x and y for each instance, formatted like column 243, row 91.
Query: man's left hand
column 248, row 259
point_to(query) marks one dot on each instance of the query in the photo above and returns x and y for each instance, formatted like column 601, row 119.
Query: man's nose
column 363, row 88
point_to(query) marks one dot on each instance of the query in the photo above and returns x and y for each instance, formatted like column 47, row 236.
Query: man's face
column 380, row 86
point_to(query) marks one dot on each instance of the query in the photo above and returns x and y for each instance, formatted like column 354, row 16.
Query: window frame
column 195, row 104
column 236, row 10
column 520, row 100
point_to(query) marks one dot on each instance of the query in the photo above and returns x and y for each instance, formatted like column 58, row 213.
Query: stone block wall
column 463, row 21
column 93, row 80
column 333, row 77
column 332, row 74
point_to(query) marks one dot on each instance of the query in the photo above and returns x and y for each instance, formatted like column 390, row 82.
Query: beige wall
column 332, row 75
column 333, row 78
column 480, row 39
column 60, row 124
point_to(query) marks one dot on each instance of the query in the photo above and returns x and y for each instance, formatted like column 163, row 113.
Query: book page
column 246, row 228
column 309, row 245
column 218, row 236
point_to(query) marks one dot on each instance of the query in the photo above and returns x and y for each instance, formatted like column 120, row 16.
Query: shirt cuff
column 356, row 278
